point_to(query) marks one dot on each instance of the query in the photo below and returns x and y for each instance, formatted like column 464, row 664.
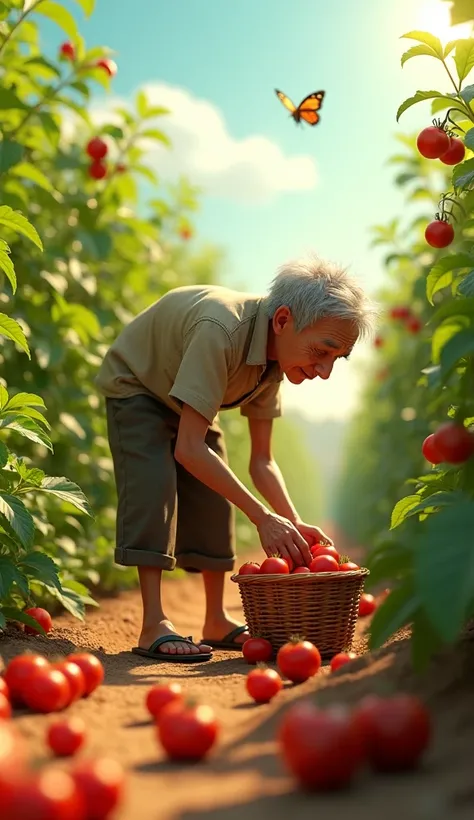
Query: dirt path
column 244, row 777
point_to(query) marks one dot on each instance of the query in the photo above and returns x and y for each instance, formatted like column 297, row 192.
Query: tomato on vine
column 455, row 152
column 67, row 51
column 439, row 233
column 430, row 451
column 453, row 442
column 432, row 142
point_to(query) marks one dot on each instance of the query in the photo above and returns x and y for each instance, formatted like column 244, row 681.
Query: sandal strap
column 169, row 639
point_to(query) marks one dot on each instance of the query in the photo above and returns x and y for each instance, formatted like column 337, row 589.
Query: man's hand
column 279, row 536
column 314, row 534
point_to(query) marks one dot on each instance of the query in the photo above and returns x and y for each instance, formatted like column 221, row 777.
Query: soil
column 243, row 777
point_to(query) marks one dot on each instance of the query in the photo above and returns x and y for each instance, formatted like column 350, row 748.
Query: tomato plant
column 159, row 695
column 187, row 732
column 263, row 684
column 65, row 737
column 257, row 649
column 322, row 749
column 298, row 660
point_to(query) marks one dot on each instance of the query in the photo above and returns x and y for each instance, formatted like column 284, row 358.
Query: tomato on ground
column 341, row 659
column 91, row 667
column 161, row 695
column 40, row 615
column 48, row 690
column 298, row 660
column 50, row 794
column 19, row 672
column 263, row 684
column 257, row 650
column 101, row 782
column 322, row 749
column 75, row 677
column 396, row 731
column 367, row 605
column 65, row 737
column 187, row 732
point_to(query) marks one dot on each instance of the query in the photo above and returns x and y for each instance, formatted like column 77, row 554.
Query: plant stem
column 22, row 17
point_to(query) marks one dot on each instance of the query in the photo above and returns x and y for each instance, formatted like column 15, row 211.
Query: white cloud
column 250, row 169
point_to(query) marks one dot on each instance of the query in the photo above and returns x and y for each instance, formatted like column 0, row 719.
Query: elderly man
column 196, row 351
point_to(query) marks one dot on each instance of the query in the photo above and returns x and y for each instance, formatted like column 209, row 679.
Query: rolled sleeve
column 201, row 380
column 266, row 405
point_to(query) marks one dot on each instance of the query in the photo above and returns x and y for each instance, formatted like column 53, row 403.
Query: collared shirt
column 202, row 345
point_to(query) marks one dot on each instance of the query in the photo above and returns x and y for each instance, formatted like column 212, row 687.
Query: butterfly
column 307, row 109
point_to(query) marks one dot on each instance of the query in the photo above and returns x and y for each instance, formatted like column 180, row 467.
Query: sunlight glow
column 434, row 16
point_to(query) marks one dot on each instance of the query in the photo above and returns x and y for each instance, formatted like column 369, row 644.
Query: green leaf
column 142, row 104
column 20, row 400
column 9, row 100
column 458, row 347
column 18, row 223
column 433, row 501
column 444, row 568
column 397, row 611
column 425, row 641
column 67, row 491
column 464, row 57
column 456, row 307
column 420, row 96
column 467, row 285
column 15, row 614
column 467, row 93
column 42, row 568
column 19, row 519
column 449, row 47
column 402, row 509
column 463, row 174
column 28, row 428
column 438, row 277
column 157, row 111
column 469, row 138
column 146, row 172
column 87, row 6
column 71, row 601
column 3, row 454
column 9, row 575
column 418, row 51
column 13, row 331
column 429, row 39
column 461, row 11
column 27, row 170
column 10, row 154
column 113, row 131
column 155, row 134
column 6, row 264
column 388, row 563
column 59, row 15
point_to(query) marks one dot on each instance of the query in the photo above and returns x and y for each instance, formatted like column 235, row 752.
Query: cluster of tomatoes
column 435, row 143
column 97, row 149
column 404, row 315
column 91, row 788
column 324, row 559
column 452, row 443
column 67, row 51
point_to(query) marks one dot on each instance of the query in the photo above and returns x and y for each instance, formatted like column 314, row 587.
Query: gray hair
column 314, row 289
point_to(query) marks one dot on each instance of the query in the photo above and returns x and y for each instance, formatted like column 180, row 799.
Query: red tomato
column 101, row 783
column 65, row 737
column 341, row 659
column 42, row 617
column 249, row 568
column 5, row 708
column 257, row 650
column 263, row 684
column 67, row 51
column 187, row 732
column 319, row 549
column 428, row 448
column 96, row 148
column 367, row 605
column 301, row 571
column 455, row 152
column 108, row 65
column 98, row 169
column 298, row 660
column 453, row 442
column 432, row 142
column 323, row 750
column 50, row 794
column 348, row 566
column 324, row 563
column 395, row 731
column 75, row 676
column 439, row 234
column 274, row 566
column 4, row 688
column 91, row 667
column 400, row 312
column 160, row 695
column 48, row 690
column 414, row 325
column 19, row 672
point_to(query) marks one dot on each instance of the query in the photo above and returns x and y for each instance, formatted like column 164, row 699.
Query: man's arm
column 265, row 472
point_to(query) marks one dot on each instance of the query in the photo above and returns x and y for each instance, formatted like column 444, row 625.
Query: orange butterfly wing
column 308, row 108
column 286, row 101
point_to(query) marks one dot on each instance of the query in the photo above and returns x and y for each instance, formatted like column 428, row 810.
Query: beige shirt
column 202, row 345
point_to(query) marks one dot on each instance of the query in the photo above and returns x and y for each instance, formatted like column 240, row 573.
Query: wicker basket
column 323, row 607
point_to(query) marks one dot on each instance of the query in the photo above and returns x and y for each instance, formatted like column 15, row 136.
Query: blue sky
column 231, row 56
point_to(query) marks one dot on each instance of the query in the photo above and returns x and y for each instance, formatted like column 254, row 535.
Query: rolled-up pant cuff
column 143, row 558
column 193, row 560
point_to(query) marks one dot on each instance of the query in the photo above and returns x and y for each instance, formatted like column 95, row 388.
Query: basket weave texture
column 322, row 607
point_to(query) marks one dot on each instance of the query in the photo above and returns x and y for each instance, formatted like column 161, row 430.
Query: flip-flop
column 154, row 653
column 228, row 641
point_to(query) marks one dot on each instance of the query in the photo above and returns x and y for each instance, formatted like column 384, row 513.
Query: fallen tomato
column 161, row 695
column 48, row 690
column 42, row 617
column 323, row 750
column 257, row 650
column 18, row 674
column 65, row 737
column 341, row 659
column 91, row 667
column 298, row 660
column 101, row 783
column 50, row 794
column 75, row 677
column 367, row 605
column 396, row 731
column 187, row 732
column 263, row 684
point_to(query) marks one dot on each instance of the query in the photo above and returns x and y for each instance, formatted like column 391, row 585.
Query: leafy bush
column 424, row 547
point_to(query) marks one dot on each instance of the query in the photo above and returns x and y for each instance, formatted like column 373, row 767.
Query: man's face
column 312, row 352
